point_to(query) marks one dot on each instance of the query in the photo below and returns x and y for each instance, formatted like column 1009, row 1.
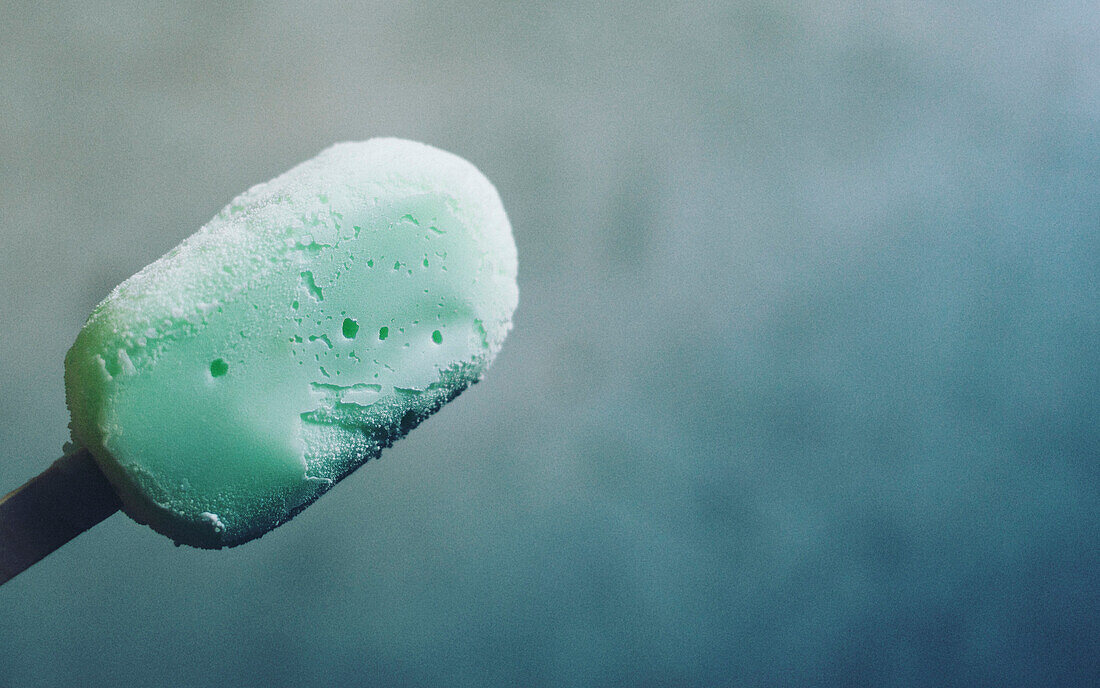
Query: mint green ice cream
column 319, row 317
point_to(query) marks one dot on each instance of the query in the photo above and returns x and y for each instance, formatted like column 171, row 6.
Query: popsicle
column 315, row 320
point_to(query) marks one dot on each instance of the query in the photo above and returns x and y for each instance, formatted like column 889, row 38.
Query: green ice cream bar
column 319, row 317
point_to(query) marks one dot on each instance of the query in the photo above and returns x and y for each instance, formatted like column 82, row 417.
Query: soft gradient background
column 804, row 383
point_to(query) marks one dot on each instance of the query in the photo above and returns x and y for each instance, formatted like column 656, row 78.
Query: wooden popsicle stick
column 67, row 498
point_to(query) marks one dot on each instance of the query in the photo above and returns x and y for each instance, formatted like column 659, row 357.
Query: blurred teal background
column 803, row 388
